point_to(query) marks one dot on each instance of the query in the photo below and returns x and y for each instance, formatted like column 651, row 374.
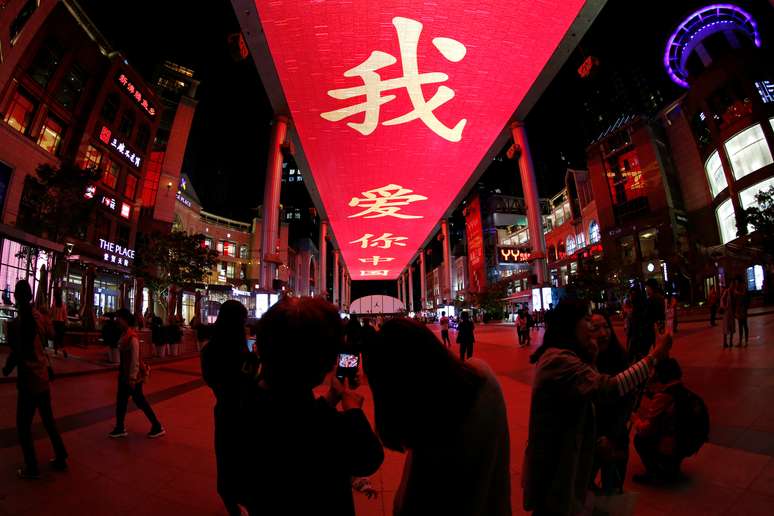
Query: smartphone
column 251, row 345
column 347, row 366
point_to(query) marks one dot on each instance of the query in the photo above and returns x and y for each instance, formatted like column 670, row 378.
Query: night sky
column 226, row 155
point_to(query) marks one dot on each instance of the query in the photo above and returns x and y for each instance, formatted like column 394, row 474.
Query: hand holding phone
column 347, row 366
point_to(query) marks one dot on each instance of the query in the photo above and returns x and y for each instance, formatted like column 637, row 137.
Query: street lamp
column 69, row 246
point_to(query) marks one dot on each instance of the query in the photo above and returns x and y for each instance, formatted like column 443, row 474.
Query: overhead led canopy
column 396, row 102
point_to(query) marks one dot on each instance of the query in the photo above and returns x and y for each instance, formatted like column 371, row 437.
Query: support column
column 322, row 276
column 336, row 300
column 411, row 287
column 400, row 290
column 448, row 288
column 529, row 184
column 422, row 279
column 405, row 291
column 271, row 202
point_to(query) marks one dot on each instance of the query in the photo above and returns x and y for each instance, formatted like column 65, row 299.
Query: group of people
column 281, row 449
column 733, row 303
column 28, row 336
column 465, row 334
column 588, row 394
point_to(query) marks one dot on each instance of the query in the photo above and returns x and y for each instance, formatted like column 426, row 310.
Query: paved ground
column 733, row 474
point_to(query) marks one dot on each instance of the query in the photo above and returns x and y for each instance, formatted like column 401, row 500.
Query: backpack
column 692, row 421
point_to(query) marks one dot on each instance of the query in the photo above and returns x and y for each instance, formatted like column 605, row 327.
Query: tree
column 163, row 260
column 490, row 299
column 761, row 217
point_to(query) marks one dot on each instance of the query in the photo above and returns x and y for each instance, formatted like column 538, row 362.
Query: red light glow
column 396, row 103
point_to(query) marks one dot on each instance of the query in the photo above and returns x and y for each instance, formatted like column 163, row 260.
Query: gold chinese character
column 408, row 38
column 376, row 260
column 386, row 202
column 383, row 242
column 374, row 273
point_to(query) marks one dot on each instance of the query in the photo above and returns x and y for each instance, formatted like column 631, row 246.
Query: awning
column 25, row 238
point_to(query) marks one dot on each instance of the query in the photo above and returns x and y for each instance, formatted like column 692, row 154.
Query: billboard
column 475, row 235
column 396, row 102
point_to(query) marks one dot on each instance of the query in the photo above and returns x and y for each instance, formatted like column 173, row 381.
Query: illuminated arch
column 696, row 27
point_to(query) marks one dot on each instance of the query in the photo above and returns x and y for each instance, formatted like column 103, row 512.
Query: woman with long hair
column 225, row 361
column 26, row 335
column 448, row 416
column 562, row 439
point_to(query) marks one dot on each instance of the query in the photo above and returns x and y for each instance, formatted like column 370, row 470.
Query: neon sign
column 105, row 135
column 130, row 89
column 587, row 66
column 114, row 253
column 182, row 199
column 766, row 91
column 400, row 84
column 108, row 202
column 513, row 255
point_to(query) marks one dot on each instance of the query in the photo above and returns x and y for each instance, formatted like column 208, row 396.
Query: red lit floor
column 733, row 474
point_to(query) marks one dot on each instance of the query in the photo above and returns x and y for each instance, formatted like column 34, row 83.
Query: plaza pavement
column 733, row 474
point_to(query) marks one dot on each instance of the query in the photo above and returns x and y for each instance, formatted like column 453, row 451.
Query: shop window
column 628, row 251
column 747, row 196
column 92, row 158
column 51, row 135
column 726, row 221
column 143, row 136
column 71, row 87
column 20, row 112
column 208, row 243
column 110, row 177
column 559, row 216
column 227, row 248
column 580, row 240
column 126, row 124
column 594, row 234
column 570, row 245
column 45, row 63
column 244, row 252
column 130, row 189
column 748, row 151
column 648, row 239
column 227, row 270
column 755, row 278
column 110, row 107
column 715, row 175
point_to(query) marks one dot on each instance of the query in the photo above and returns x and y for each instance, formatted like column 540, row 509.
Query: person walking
column 465, row 336
column 26, row 335
column 713, row 301
column 445, row 330
column 742, row 306
column 728, row 305
column 226, row 366
column 131, row 378
column 562, row 439
column 59, row 320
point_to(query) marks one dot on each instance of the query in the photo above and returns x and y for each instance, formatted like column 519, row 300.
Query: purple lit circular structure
column 702, row 23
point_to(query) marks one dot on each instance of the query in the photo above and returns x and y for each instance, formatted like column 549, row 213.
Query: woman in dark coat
column 465, row 336
column 226, row 363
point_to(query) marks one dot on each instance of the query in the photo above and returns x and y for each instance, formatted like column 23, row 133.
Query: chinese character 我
column 385, row 202
column 408, row 38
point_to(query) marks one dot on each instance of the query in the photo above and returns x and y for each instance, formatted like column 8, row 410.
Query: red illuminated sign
column 119, row 146
column 588, row 66
column 475, row 235
column 513, row 255
column 131, row 89
column 396, row 102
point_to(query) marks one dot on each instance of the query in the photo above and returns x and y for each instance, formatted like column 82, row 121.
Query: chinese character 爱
column 385, row 201
column 408, row 39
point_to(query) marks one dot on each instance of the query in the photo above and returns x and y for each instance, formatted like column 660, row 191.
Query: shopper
column 304, row 451
column 59, row 319
column 448, row 416
column 465, row 336
column 445, row 330
column 26, row 336
column 158, row 336
column 131, row 376
column 728, row 306
column 671, row 308
column 742, row 306
column 227, row 368
column 562, row 440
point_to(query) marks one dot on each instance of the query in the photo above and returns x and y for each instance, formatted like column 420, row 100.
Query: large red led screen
column 396, row 102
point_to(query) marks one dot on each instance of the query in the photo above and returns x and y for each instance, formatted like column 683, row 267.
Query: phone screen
column 251, row 344
column 348, row 364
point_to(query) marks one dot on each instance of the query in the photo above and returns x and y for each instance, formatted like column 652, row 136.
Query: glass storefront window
column 748, row 151
column 747, row 196
column 50, row 135
column 20, row 111
column 580, row 240
column 570, row 245
column 755, row 278
column 715, row 175
column 648, row 243
column 244, row 252
column 628, row 252
column 594, row 234
column 726, row 221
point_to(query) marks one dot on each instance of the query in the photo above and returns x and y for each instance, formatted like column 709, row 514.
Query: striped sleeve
column 633, row 377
